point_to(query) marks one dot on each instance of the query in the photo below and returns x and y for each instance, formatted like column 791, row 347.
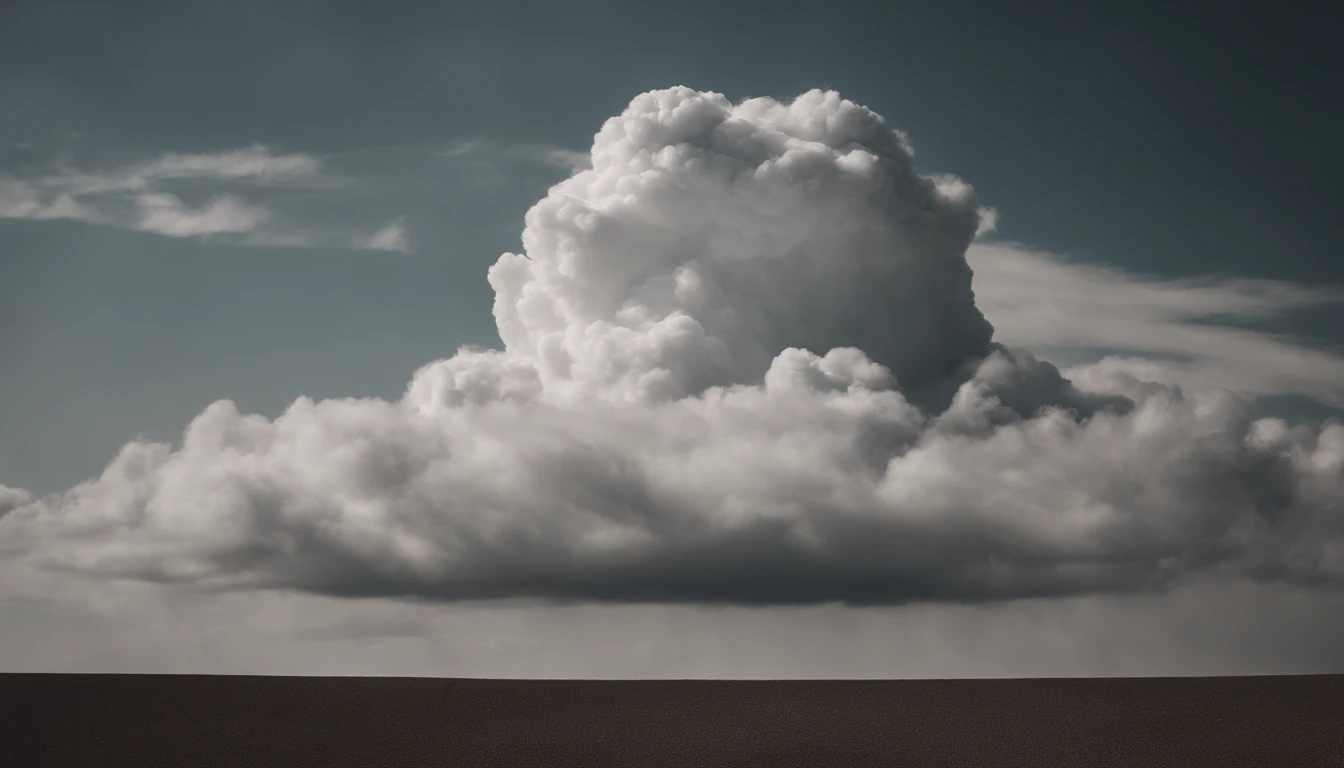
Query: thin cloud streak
column 1043, row 301
column 167, row 215
column 485, row 150
column 389, row 238
column 254, row 164
column 140, row 196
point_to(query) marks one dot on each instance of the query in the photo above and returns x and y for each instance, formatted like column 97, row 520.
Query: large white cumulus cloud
column 709, row 237
column 743, row 363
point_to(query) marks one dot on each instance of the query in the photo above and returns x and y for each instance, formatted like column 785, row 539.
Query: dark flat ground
column 151, row 720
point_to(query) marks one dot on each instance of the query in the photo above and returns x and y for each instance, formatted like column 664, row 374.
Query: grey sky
column 258, row 201
column 1185, row 142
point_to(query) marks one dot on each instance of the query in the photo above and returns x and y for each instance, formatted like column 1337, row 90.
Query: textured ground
column 150, row 720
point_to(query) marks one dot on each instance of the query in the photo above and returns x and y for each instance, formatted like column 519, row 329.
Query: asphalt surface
column 187, row 720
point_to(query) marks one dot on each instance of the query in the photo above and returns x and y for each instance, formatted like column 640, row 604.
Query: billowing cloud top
column 708, row 237
column 743, row 363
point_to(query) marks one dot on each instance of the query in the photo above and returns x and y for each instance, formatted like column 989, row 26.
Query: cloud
column 743, row 363
column 167, row 215
column 12, row 498
column 390, row 238
column 256, row 162
column 989, row 221
column 1041, row 300
column 564, row 158
column 486, row 151
column 24, row 200
column 132, row 196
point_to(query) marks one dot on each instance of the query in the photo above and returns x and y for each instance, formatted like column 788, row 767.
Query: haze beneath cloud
column 745, row 363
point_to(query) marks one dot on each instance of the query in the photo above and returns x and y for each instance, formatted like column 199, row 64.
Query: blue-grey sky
column 1178, row 141
column 748, row 418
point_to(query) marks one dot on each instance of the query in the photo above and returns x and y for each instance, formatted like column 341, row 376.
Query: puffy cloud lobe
column 472, row 377
column 12, row 498
column 743, row 364
column 1008, row 386
column 707, row 237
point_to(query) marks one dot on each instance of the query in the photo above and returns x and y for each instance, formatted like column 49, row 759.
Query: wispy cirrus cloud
column 1183, row 331
column 482, row 150
column 167, row 215
column 257, row 164
column 144, row 196
column 132, row 196
column 26, row 200
column 390, row 238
